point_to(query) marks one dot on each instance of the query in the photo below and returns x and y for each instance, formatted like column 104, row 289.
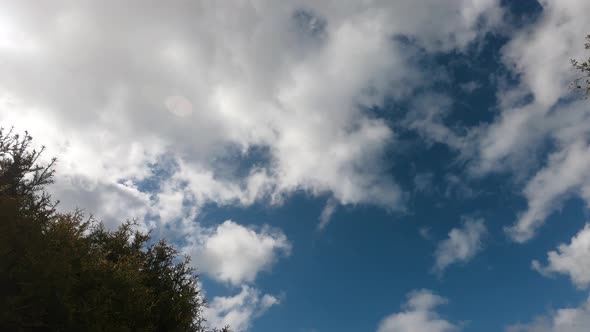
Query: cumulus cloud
column 239, row 310
column 419, row 315
column 235, row 254
column 206, row 82
column 562, row 320
column 462, row 244
column 571, row 259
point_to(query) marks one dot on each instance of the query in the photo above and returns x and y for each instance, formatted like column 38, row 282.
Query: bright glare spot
column 179, row 106
column 12, row 39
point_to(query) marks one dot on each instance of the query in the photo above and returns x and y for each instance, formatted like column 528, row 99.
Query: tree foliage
column 583, row 83
column 65, row 272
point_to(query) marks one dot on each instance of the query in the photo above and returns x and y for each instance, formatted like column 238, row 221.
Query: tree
column 65, row 272
column 583, row 83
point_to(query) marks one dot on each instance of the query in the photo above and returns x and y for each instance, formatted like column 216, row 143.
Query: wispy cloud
column 461, row 246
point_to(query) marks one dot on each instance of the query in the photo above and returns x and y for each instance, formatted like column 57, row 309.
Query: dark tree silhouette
column 65, row 272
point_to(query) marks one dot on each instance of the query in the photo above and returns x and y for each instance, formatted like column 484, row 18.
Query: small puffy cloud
column 562, row 320
column 461, row 246
column 236, row 254
column 571, row 259
column 240, row 310
column 419, row 315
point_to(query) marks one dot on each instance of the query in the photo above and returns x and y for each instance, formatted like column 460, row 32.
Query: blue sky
column 329, row 166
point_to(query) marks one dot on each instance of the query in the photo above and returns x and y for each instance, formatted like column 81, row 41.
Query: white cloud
column 419, row 315
column 572, row 259
column 205, row 82
column 562, row 320
column 236, row 254
column 461, row 245
column 537, row 111
column 240, row 310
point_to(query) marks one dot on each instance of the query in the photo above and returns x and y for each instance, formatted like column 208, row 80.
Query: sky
column 386, row 166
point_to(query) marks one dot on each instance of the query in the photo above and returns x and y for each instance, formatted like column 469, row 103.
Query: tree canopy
column 67, row 272
column 583, row 83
